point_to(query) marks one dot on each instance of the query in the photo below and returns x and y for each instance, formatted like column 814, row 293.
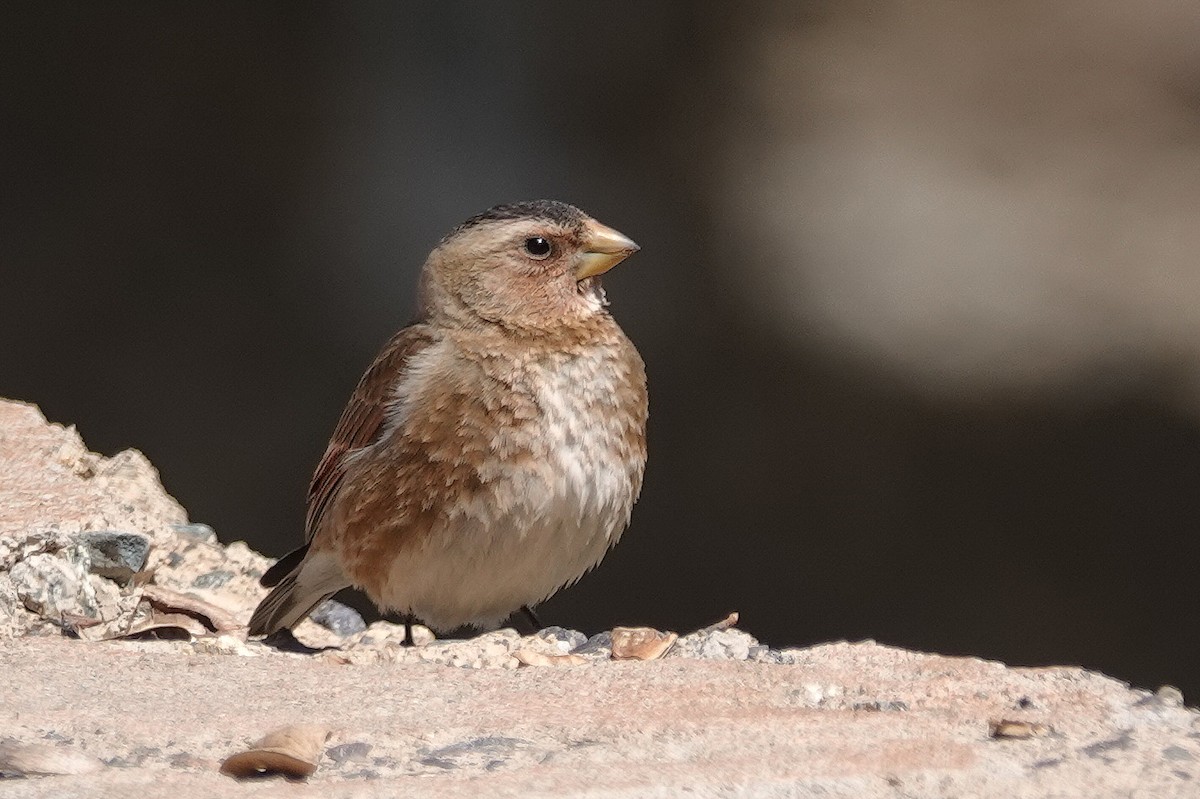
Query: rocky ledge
column 127, row 668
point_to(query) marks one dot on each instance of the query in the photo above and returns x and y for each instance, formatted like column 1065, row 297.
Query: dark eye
column 537, row 247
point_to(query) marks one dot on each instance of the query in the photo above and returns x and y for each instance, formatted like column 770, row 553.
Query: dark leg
column 531, row 617
column 526, row 621
column 408, row 634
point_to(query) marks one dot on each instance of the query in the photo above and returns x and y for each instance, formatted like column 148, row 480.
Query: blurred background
column 918, row 291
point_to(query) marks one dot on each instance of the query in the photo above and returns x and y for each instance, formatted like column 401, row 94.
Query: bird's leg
column 408, row 631
column 530, row 619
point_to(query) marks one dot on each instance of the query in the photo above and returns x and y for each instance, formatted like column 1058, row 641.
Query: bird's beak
column 603, row 248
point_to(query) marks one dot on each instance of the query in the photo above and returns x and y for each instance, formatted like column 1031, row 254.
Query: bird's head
column 530, row 266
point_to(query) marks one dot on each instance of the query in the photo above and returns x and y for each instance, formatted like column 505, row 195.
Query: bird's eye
column 537, row 247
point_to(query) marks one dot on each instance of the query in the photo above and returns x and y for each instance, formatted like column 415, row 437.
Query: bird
column 493, row 451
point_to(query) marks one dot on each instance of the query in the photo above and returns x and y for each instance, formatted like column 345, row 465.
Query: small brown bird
column 493, row 451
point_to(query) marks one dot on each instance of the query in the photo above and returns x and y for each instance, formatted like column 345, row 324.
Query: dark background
column 917, row 294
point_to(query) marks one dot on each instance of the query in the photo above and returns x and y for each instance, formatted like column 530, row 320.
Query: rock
column 385, row 634
column 563, row 640
column 723, row 715
column 343, row 753
column 115, row 555
column 10, row 602
column 598, row 647
column 213, row 579
column 848, row 720
column 56, row 586
column 731, row 644
column 338, row 618
column 57, row 499
column 16, row 545
column 196, row 532
column 489, row 650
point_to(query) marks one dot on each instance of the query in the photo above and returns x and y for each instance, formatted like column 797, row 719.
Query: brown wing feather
column 362, row 420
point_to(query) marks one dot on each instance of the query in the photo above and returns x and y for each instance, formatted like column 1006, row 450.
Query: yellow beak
column 603, row 248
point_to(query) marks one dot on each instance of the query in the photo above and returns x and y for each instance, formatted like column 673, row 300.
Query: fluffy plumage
column 493, row 451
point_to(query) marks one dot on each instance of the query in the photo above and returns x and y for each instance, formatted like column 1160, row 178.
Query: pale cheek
column 534, row 293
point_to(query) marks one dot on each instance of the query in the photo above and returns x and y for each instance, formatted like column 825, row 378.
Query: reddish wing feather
column 362, row 419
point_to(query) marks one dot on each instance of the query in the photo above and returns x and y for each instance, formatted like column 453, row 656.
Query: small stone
column 720, row 644
column 1170, row 695
column 338, row 618
column 355, row 750
column 116, row 555
column 196, row 532
column 56, row 586
column 15, row 548
column 598, row 647
column 564, row 640
column 765, row 654
column 213, row 579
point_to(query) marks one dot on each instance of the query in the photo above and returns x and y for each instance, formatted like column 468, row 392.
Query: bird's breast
column 534, row 468
column 557, row 459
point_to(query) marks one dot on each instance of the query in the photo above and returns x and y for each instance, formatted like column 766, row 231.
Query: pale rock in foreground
column 715, row 714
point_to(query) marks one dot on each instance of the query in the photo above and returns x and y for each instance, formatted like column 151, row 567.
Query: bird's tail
column 311, row 581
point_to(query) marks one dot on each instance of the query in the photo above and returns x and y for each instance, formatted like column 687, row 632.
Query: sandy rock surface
column 126, row 669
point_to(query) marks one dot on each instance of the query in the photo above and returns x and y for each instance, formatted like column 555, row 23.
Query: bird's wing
column 362, row 420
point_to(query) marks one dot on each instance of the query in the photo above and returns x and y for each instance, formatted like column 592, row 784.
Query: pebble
column 114, row 554
column 731, row 644
column 196, row 532
column 355, row 750
column 599, row 646
column 563, row 639
column 213, row 579
column 56, row 586
column 338, row 618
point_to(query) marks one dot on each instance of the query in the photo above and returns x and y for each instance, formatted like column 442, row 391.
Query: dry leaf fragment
column 35, row 760
column 217, row 619
column 148, row 620
column 166, row 623
column 1008, row 728
column 291, row 752
column 724, row 624
column 531, row 657
column 641, row 643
